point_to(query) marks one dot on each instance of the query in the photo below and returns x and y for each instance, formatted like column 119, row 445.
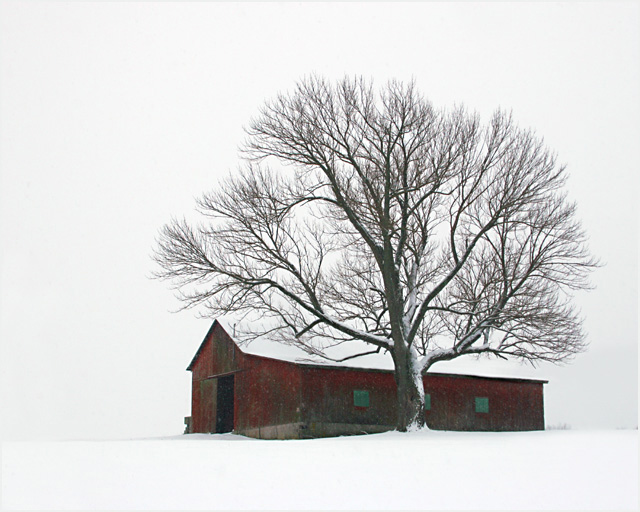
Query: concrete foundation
column 301, row 430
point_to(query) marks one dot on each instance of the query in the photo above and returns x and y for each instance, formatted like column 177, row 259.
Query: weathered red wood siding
column 513, row 404
column 328, row 396
column 202, row 413
column 217, row 355
column 268, row 393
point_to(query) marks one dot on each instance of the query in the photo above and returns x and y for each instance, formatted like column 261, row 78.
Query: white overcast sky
column 115, row 116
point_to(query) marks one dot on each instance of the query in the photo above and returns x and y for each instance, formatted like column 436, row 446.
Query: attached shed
column 268, row 398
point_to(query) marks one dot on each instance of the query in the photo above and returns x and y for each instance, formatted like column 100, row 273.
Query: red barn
column 272, row 399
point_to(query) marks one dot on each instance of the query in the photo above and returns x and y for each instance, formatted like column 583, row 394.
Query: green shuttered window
column 360, row 398
column 482, row 404
column 427, row 401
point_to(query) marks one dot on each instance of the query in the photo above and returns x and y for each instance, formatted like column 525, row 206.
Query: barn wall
column 328, row 403
column 201, row 406
column 217, row 354
column 513, row 405
column 268, row 394
column 328, row 406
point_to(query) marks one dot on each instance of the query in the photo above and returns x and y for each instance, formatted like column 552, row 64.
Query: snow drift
column 581, row 470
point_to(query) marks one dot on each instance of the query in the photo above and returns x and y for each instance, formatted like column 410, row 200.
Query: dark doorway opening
column 224, row 413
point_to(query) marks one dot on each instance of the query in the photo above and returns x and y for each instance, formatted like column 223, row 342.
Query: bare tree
column 417, row 231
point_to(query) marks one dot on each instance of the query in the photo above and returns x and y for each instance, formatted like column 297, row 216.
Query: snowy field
column 580, row 470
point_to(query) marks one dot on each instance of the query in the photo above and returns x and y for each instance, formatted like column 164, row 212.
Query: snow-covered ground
column 580, row 470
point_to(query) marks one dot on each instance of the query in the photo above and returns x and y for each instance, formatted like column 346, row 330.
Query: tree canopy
column 371, row 215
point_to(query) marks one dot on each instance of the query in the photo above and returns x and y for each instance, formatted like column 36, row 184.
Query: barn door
column 224, row 409
column 206, row 416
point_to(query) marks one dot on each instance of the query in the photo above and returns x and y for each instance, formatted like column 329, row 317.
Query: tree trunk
column 411, row 410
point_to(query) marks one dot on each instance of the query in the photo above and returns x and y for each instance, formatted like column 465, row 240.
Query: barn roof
column 295, row 359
